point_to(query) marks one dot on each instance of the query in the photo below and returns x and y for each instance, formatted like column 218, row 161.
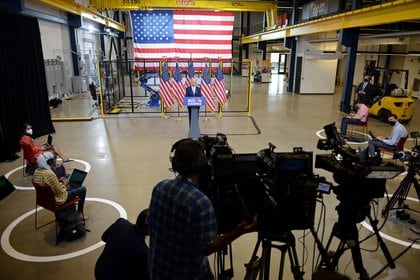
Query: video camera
column 279, row 187
column 413, row 156
column 358, row 182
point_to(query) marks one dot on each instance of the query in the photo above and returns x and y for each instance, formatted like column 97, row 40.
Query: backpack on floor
column 70, row 224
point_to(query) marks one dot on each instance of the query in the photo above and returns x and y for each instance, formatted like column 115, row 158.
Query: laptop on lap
column 77, row 178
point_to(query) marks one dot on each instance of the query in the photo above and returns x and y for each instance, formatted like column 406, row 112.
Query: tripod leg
column 353, row 242
column 224, row 274
column 417, row 187
column 385, row 250
column 403, row 197
column 358, row 262
column 283, row 250
column 399, row 193
column 330, row 259
column 265, row 259
column 253, row 267
column 323, row 251
column 294, row 263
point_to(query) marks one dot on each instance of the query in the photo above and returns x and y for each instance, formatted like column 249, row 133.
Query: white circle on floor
column 389, row 237
column 319, row 135
column 23, row 188
column 7, row 247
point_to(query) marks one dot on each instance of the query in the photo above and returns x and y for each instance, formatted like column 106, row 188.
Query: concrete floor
column 127, row 154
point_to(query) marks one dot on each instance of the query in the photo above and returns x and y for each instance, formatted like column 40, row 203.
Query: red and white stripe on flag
column 219, row 87
column 182, row 35
column 165, row 88
column 178, row 87
column 207, row 90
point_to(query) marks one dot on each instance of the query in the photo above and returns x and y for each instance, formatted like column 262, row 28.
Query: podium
column 193, row 103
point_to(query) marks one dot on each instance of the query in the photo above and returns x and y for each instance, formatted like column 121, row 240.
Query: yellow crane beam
column 385, row 13
column 75, row 8
column 267, row 7
column 219, row 5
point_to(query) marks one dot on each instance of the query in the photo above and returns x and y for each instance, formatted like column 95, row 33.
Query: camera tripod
column 346, row 230
column 261, row 265
column 401, row 193
column 221, row 271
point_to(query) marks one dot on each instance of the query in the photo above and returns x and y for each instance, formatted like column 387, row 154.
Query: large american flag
column 206, row 89
column 179, row 34
column 219, row 86
column 178, row 87
column 165, row 87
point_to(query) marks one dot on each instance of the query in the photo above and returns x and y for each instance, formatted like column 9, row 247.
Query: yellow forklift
column 390, row 98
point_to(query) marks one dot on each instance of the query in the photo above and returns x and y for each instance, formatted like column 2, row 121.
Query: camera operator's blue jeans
column 77, row 192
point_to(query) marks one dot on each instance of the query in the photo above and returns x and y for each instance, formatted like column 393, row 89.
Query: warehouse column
column 350, row 39
column 75, row 21
column 290, row 43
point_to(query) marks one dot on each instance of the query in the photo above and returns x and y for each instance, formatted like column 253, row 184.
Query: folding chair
column 45, row 198
column 364, row 126
column 399, row 147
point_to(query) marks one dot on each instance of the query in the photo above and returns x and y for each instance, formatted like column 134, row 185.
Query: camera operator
column 182, row 221
column 390, row 143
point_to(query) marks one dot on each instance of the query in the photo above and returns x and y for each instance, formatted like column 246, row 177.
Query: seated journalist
column 360, row 117
column 43, row 175
column 32, row 151
column 390, row 142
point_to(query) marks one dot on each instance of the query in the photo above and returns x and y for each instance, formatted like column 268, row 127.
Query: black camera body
column 412, row 156
column 279, row 187
column 358, row 182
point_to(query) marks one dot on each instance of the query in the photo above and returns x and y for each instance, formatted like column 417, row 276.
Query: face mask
column 391, row 123
column 29, row 131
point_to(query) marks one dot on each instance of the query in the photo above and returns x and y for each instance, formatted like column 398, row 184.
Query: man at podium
column 192, row 91
column 193, row 111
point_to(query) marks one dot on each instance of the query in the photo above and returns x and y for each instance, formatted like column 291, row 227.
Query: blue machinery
column 154, row 94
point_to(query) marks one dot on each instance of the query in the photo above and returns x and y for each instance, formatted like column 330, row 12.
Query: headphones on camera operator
column 187, row 157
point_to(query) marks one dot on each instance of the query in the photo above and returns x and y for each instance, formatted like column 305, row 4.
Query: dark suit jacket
column 189, row 92
column 366, row 98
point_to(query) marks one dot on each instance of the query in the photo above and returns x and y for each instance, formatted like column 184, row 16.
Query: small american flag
column 190, row 73
column 219, row 86
column 165, row 87
column 178, row 87
column 207, row 90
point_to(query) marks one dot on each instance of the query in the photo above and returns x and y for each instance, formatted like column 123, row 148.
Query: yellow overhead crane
column 384, row 13
column 267, row 7
column 77, row 9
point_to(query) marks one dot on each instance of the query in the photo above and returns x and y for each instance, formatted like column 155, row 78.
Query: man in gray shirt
column 390, row 143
